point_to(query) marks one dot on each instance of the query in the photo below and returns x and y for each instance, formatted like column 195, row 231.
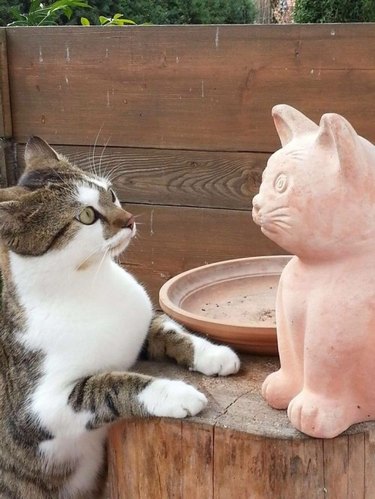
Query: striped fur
column 72, row 324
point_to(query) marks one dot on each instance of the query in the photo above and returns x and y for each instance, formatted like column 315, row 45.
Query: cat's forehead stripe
column 88, row 195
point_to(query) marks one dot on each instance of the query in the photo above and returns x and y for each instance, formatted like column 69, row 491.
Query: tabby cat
column 73, row 322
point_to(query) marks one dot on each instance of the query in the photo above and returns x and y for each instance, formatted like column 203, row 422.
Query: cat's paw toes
column 174, row 399
column 317, row 416
column 278, row 391
column 213, row 360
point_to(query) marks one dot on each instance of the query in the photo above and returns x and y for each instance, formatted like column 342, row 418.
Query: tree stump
column 237, row 448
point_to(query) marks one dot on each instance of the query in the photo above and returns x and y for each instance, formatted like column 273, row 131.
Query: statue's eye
column 281, row 183
column 114, row 198
column 88, row 216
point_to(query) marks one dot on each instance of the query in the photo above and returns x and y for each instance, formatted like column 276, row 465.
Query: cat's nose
column 124, row 220
column 129, row 224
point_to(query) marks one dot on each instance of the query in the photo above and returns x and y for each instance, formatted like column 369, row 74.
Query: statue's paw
column 174, row 399
column 278, row 390
column 211, row 359
column 318, row 416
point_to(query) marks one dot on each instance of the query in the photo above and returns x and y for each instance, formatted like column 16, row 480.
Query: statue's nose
column 256, row 202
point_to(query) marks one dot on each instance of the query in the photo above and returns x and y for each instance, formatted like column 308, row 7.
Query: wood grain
column 172, row 177
column 370, row 464
column 344, row 462
column 186, row 87
column 256, row 468
column 5, row 119
column 233, row 450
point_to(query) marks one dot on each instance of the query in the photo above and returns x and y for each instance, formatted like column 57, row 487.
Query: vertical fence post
column 5, row 111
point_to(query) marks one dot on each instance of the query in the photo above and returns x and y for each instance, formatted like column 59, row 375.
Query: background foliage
column 150, row 11
column 334, row 11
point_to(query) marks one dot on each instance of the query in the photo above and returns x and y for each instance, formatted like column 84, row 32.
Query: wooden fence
column 181, row 117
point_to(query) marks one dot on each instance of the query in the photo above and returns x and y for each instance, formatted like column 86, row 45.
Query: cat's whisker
column 79, row 266
column 111, row 173
column 281, row 209
column 101, row 156
column 282, row 224
column 100, row 265
column 94, row 148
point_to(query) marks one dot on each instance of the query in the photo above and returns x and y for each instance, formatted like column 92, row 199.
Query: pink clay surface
column 317, row 201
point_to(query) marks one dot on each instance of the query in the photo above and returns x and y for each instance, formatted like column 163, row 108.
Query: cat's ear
column 337, row 136
column 291, row 123
column 38, row 152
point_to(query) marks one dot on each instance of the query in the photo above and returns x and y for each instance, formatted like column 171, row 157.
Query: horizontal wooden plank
column 171, row 240
column 189, row 178
column 186, row 87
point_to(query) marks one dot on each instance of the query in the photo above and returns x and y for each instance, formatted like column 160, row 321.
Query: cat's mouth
column 121, row 240
column 272, row 221
column 257, row 216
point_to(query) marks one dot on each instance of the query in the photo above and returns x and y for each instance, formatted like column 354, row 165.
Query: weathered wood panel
column 5, row 119
column 167, row 463
column 259, row 468
column 245, row 449
column 344, row 462
column 172, row 177
column 186, row 87
column 5, row 114
column 171, row 240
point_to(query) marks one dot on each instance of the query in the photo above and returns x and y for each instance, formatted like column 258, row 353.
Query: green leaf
column 117, row 16
column 35, row 5
column 68, row 12
column 62, row 4
column 85, row 21
column 104, row 20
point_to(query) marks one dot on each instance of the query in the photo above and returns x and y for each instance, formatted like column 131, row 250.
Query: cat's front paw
column 211, row 359
column 174, row 399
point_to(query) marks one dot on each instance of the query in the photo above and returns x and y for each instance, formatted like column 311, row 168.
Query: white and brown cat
column 73, row 322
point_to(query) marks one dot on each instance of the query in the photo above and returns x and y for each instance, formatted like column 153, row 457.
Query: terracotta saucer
column 231, row 301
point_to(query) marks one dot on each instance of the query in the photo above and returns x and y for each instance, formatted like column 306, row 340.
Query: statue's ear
column 38, row 152
column 339, row 138
column 291, row 123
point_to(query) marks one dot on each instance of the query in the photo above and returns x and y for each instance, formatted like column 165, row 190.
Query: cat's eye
column 88, row 216
column 281, row 183
column 114, row 198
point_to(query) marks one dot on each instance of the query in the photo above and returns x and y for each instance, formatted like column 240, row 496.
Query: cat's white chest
column 83, row 324
column 89, row 323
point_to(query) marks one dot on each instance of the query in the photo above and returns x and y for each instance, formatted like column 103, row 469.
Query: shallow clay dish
column 231, row 301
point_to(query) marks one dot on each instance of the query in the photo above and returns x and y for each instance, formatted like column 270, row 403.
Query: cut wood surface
column 238, row 447
column 186, row 87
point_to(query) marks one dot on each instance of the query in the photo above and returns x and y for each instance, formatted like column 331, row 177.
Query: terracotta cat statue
column 72, row 324
column 317, row 200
